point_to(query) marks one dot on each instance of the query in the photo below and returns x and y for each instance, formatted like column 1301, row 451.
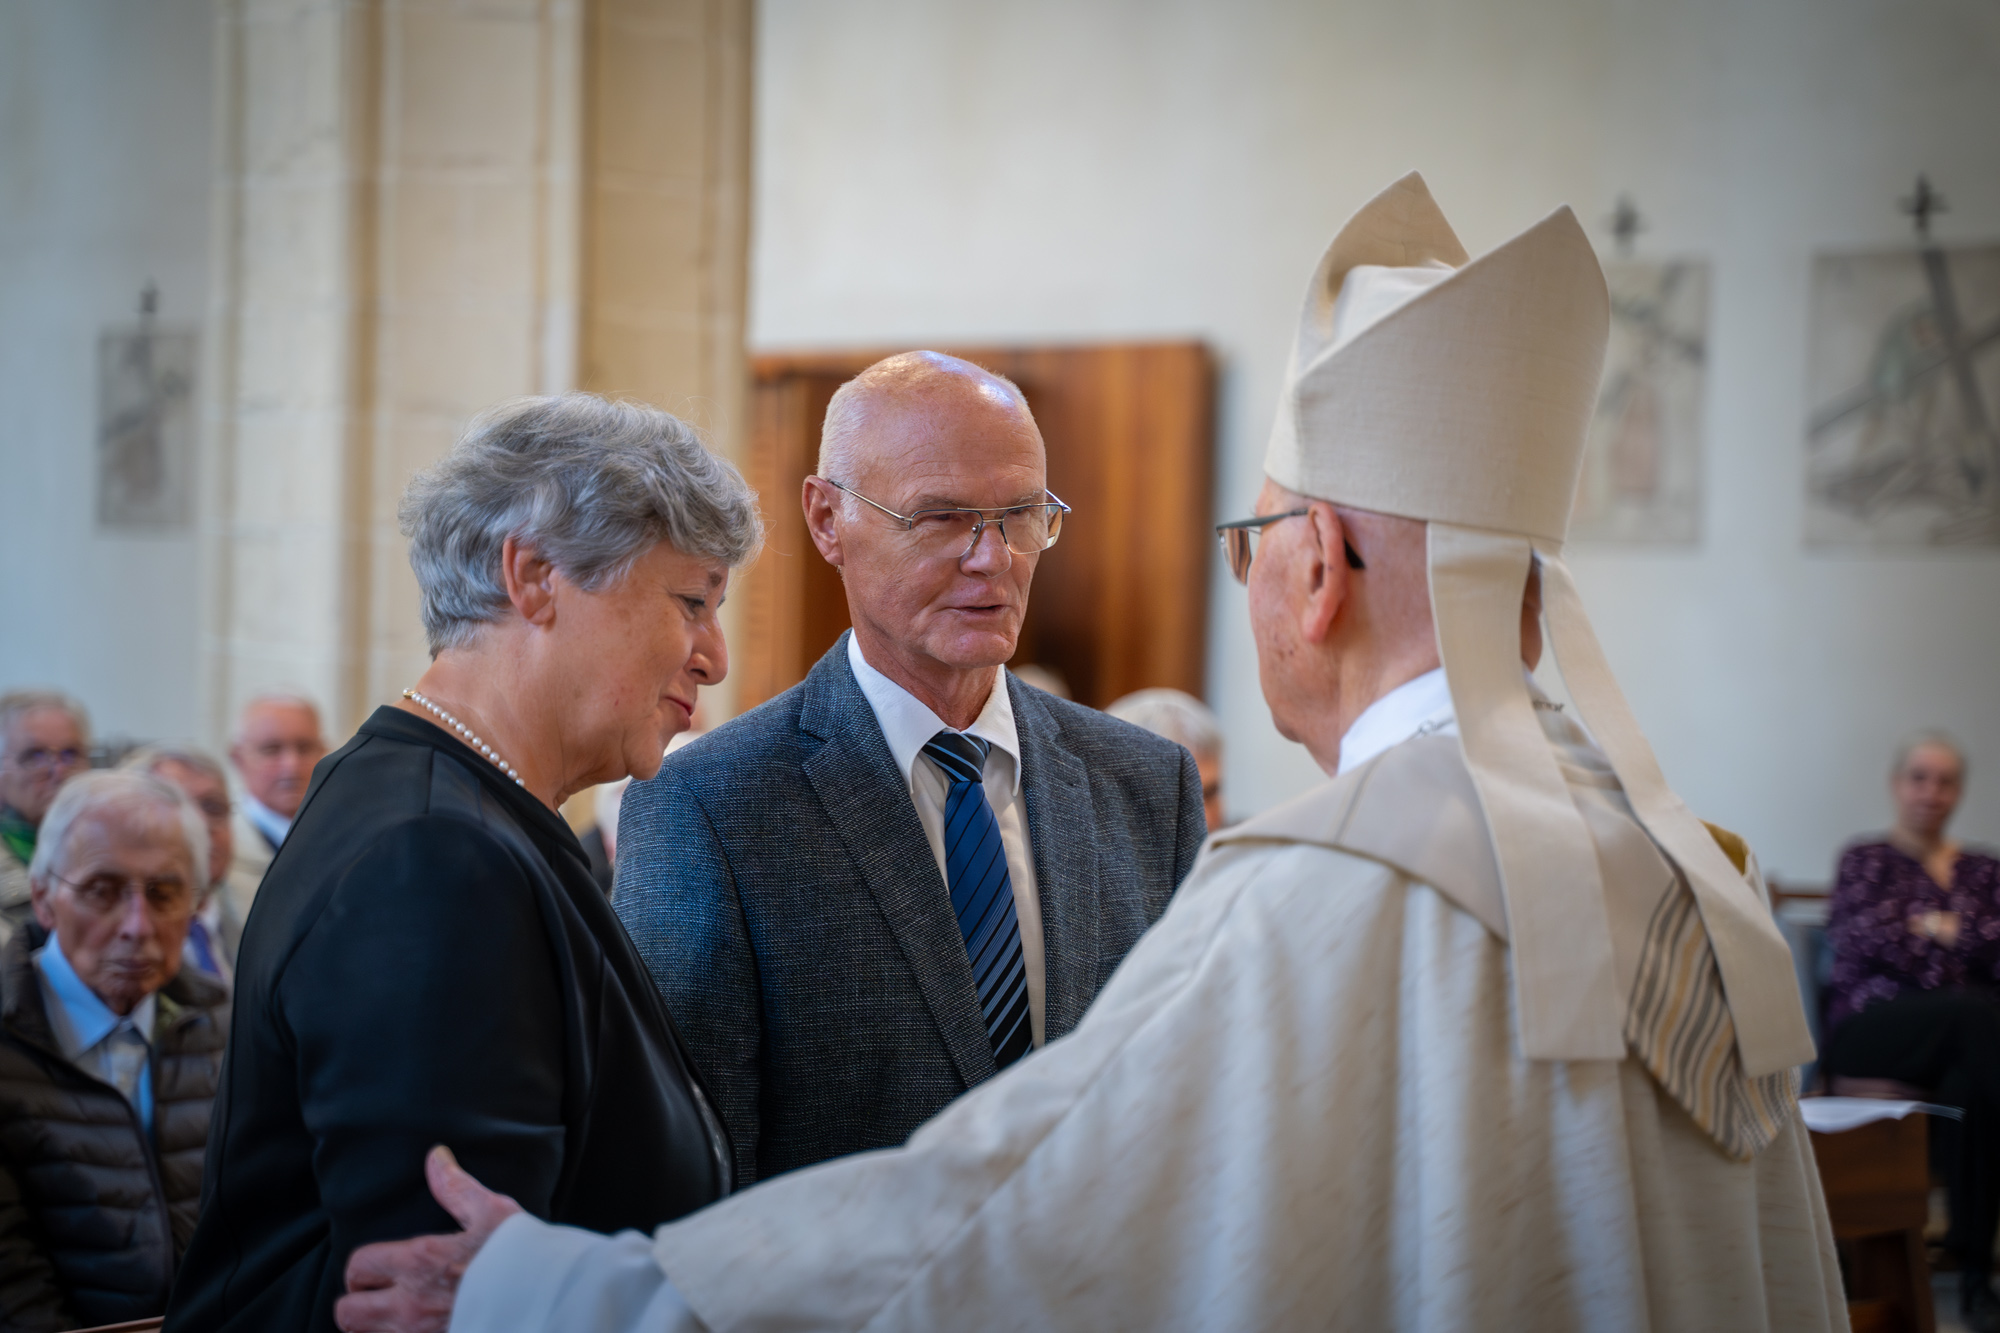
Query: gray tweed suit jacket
column 780, row 888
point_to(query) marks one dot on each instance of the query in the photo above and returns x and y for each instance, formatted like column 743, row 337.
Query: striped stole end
column 982, row 894
column 1678, row 1024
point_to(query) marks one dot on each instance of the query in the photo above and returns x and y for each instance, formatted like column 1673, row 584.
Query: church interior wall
column 105, row 158
column 1044, row 172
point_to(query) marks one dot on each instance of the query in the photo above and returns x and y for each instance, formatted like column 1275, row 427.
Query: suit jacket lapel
column 869, row 804
column 1064, row 840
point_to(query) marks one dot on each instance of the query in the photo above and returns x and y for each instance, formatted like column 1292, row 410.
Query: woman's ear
column 530, row 582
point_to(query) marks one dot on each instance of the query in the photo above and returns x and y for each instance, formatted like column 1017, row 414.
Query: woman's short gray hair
column 106, row 791
column 589, row 484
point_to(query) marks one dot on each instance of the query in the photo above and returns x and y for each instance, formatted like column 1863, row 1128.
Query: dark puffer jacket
column 93, row 1217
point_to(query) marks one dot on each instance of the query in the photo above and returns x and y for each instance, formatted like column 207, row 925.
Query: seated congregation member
column 1189, row 723
column 869, row 894
column 109, row 1054
column 429, row 960
column 278, row 741
column 217, row 926
column 1914, row 924
column 44, row 742
column 1400, row 1055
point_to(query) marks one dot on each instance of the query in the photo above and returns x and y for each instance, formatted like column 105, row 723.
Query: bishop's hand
column 408, row 1286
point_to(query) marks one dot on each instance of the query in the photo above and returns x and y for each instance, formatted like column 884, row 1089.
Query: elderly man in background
column 44, row 741
column 1485, row 1032
column 871, row 893
column 217, row 926
column 278, row 740
column 1188, row 723
column 109, row 1056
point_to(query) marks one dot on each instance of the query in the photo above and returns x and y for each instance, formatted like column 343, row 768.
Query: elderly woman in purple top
column 1915, row 930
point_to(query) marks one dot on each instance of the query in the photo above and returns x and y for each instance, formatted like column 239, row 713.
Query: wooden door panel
column 1120, row 603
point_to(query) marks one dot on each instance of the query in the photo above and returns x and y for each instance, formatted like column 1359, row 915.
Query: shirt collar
column 908, row 724
column 79, row 1018
column 1420, row 706
column 268, row 822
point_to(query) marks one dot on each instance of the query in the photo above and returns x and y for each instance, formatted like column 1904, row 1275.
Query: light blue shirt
column 93, row 1038
column 265, row 820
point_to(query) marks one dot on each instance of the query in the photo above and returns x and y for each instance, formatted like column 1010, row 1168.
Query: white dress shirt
column 92, row 1037
column 908, row 725
column 1420, row 707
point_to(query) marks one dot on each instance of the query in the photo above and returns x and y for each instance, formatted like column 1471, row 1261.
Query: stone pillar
column 666, row 218
column 400, row 204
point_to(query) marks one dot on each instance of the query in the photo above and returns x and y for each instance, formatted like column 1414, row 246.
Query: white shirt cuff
column 531, row 1275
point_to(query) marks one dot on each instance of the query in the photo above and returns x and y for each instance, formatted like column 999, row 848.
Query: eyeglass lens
column 1026, row 531
column 167, row 898
column 1238, row 546
column 39, row 757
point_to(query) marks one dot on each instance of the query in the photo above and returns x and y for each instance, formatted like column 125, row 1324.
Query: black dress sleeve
column 425, row 1007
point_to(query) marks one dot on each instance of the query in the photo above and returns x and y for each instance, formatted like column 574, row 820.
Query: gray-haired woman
column 429, row 961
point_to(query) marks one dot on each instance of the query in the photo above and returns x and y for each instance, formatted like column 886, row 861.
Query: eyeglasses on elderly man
column 1239, row 542
column 954, row 529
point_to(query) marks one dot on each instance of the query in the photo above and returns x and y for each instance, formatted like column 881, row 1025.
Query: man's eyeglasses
column 168, row 898
column 1025, row 529
column 44, row 758
column 1239, row 542
column 312, row 749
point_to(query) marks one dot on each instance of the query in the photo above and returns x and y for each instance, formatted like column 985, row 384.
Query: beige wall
column 410, row 198
column 396, row 250
column 105, row 157
column 949, row 171
column 380, row 215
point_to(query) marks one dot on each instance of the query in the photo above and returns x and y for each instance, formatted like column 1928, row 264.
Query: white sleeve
column 532, row 1276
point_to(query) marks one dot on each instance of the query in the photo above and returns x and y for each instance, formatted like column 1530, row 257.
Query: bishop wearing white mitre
column 1486, row 1032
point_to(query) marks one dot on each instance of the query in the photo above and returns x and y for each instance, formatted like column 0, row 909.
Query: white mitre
column 1457, row 391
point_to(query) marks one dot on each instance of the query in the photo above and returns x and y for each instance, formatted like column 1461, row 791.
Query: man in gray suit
column 882, row 886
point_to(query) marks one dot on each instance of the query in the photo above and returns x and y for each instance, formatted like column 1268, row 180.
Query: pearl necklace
column 466, row 732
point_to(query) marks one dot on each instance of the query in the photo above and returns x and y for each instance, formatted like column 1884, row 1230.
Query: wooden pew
column 1878, row 1187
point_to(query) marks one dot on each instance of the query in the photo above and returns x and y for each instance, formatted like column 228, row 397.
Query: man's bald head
column 277, row 743
column 907, row 384
column 936, row 603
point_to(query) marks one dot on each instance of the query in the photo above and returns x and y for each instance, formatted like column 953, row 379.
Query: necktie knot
column 962, row 757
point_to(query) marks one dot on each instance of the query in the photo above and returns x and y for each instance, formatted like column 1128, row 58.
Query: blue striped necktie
column 982, row 894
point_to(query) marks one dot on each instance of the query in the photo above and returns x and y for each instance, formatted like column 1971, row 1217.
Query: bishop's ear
column 1327, row 572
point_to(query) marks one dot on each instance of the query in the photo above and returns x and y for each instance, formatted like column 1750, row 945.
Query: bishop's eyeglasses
column 1239, row 542
column 1025, row 529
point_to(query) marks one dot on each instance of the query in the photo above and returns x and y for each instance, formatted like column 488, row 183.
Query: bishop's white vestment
column 1299, row 1104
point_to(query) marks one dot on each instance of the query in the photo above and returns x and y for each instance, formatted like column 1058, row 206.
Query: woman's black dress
column 429, row 961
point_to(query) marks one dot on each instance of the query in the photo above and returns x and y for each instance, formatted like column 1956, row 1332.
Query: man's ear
column 819, row 500
column 38, row 899
column 1326, row 572
column 530, row 582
